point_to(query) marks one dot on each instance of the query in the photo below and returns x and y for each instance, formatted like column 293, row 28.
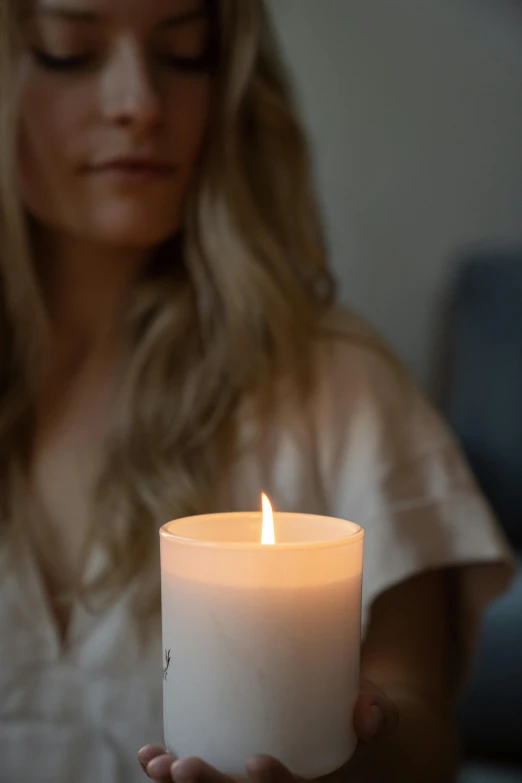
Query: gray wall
column 415, row 112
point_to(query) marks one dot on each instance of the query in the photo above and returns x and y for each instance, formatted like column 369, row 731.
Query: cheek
column 187, row 120
column 45, row 133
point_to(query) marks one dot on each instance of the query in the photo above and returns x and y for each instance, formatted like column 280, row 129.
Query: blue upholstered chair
column 484, row 406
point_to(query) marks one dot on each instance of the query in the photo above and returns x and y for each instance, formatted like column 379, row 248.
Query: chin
column 135, row 236
column 137, row 231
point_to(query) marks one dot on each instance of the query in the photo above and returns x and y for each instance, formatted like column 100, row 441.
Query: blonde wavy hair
column 225, row 310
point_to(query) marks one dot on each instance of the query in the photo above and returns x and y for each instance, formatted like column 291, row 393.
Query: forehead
column 118, row 11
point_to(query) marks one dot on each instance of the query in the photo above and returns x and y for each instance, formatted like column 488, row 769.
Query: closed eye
column 195, row 64
column 54, row 63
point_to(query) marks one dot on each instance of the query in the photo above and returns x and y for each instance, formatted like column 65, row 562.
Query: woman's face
column 114, row 107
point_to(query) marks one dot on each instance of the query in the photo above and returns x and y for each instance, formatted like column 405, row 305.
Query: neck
column 86, row 286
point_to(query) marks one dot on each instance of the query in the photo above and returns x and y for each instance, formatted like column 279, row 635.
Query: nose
column 129, row 95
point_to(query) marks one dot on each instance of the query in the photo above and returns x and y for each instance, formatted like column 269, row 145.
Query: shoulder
column 366, row 402
column 355, row 368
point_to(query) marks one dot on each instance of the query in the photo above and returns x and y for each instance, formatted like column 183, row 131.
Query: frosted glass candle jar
column 261, row 642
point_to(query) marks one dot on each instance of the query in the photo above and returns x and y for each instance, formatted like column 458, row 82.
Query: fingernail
column 143, row 754
column 376, row 720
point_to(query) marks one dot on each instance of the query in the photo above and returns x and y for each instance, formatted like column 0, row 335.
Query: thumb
column 375, row 714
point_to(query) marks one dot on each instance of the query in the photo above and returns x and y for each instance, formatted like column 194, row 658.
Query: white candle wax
column 261, row 642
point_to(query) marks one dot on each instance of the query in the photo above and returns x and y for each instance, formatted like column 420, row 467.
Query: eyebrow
column 89, row 17
column 62, row 12
column 178, row 20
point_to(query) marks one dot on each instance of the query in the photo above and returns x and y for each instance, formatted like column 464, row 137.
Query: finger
column 375, row 714
column 149, row 752
column 265, row 769
column 158, row 768
column 194, row 770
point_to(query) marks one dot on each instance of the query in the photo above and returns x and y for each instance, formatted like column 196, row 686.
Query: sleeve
column 389, row 463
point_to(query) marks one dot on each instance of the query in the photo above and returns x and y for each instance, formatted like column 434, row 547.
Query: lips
column 133, row 164
column 126, row 171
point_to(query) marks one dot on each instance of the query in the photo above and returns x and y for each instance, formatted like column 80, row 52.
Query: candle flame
column 267, row 533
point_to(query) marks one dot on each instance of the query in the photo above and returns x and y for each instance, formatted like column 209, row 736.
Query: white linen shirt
column 368, row 448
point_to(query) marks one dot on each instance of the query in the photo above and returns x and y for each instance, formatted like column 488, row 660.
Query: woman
column 169, row 346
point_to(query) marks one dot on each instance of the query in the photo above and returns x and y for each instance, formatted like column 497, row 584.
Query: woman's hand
column 374, row 716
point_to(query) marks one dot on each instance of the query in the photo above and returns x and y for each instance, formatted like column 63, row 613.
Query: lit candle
column 261, row 635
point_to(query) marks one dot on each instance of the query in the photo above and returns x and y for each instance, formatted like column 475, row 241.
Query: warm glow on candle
column 267, row 534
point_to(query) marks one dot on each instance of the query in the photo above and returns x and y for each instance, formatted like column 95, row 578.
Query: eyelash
column 79, row 62
column 51, row 63
column 198, row 64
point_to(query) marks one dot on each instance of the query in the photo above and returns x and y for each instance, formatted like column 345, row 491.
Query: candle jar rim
column 352, row 532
